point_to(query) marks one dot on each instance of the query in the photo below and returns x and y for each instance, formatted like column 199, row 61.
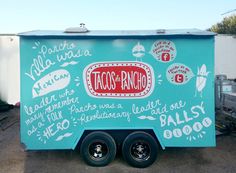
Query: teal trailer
column 104, row 90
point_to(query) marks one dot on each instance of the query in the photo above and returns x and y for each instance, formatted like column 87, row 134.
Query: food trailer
column 100, row 91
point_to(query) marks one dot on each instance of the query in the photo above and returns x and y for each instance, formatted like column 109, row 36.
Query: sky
column 26, row 15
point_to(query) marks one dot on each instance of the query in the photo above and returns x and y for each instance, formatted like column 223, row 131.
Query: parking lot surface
column 13, row 158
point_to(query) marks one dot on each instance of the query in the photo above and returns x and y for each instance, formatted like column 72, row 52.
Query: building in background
column 225, row 55
column 225, row 60
column 9, row 68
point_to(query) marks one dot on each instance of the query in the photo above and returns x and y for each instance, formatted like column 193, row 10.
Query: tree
column 227, row 26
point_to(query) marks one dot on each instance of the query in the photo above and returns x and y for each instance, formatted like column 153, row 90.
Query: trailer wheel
column 98, row 149
column 139, row 149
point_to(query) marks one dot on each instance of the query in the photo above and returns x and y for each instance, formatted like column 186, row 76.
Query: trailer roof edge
column 118, row 33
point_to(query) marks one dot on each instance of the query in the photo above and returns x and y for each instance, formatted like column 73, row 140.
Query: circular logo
column 164, row 51
column 178, row 74
column 187, row 129
column 167, row 134
column 197, row 126
column 206, row 122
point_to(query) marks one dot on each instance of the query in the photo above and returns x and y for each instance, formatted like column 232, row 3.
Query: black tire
column 139, row 149
column 98, row 149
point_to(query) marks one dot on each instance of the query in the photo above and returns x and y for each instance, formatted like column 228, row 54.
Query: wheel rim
column 140, row 151
column 98, row 150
